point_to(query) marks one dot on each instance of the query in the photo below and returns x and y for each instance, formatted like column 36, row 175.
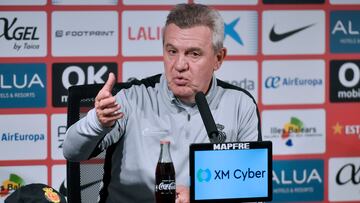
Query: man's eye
column 194, row 54
column 172, row 51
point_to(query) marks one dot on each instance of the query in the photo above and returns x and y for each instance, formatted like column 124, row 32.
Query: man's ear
column 220, row 56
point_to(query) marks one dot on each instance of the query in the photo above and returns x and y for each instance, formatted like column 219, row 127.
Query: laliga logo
column 203, row 175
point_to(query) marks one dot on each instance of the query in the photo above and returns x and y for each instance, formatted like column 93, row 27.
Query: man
column 163, row 106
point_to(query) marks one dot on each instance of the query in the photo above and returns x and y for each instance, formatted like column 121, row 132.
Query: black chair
column 85, row 178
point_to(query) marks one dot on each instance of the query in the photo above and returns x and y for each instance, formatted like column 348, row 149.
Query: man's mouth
column 180, row 81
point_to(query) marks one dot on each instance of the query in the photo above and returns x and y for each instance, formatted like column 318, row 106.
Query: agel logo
column 345, row 81
column 66, row 75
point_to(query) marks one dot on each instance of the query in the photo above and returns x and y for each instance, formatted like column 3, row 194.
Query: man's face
column 189, row 60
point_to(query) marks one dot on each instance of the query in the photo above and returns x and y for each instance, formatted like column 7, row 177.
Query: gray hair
column 191, row 15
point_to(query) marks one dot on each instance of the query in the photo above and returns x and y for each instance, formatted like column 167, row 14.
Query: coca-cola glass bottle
column 165, row 185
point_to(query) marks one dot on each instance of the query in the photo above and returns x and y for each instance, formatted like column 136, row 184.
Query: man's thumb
column 108, row 86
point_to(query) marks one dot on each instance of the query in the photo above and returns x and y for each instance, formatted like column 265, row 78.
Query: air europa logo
column 278, row 82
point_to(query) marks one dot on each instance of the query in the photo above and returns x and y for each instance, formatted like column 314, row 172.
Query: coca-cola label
column 166, row 185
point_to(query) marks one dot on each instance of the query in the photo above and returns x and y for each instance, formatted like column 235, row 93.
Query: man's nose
column 181, row 63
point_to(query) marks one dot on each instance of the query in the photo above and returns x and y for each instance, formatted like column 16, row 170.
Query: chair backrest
column 84, row 179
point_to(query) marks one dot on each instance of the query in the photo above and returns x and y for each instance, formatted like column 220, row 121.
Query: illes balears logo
column 13, row 183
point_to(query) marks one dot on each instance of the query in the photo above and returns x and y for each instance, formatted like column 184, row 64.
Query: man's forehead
column 195, row 37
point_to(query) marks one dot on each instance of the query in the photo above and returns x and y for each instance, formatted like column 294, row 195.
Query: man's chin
column 183, row 93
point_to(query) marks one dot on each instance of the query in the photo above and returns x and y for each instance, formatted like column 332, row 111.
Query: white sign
column 58, row 178
column 243, row 74
column 58, row 130
column 23, row 34
column 142, row 33
column 22, row 2
column 140, row 70
column 11, row 177
column 23, row 137
column 153, row 2
column 300, row 131
column 344, row 179
column 227, row 2
column 84, row 33
column 241, row 32
column 293, row 82
column 293, row 32
column 345, row 1
column 84, row 2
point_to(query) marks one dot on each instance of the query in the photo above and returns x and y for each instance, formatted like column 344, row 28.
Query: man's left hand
column 182, row 194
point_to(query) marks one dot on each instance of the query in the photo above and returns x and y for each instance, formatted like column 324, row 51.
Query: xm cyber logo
column 13, row 183
column 236, row 174
column 230, row 30
column 345, row 81
column 203, row 175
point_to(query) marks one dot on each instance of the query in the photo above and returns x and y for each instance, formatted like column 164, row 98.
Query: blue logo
column 345, row 31
column 230, row 30
column 274, row 82
column 203, row 175
column 22, row 85
column 298, row 180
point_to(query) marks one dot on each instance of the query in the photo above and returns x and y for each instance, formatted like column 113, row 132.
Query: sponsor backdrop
column 298, row 58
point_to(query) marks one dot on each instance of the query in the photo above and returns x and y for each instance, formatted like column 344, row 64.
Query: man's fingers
column 108, row 86
column 106, row 103
column 111, row 111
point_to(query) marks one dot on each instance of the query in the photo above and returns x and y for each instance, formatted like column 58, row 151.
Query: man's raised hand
column 107, row 109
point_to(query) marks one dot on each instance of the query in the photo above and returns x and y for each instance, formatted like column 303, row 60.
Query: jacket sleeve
column 83, row 137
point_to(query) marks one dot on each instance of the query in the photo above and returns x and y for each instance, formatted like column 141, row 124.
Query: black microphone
column 207, row 117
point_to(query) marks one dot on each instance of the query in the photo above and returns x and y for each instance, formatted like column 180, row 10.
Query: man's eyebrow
column 169, row 45
column 190, row 49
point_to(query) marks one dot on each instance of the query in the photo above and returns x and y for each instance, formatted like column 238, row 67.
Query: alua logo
column 18, row 33
column 203, row 175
